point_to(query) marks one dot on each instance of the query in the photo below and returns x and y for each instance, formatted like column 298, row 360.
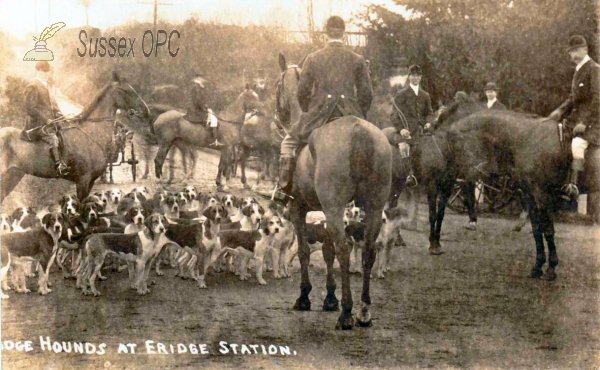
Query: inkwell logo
column 40, row 52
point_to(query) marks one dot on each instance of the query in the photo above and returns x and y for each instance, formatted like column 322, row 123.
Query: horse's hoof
column 345, row 322
column 435, row 250
column 302, row 304
column 550, row 274
column 536, row 273
column 331, row 304
column 471, row 226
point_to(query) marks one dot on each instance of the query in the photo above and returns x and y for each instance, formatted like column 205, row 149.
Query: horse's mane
column 471, row 104
column 88, row 109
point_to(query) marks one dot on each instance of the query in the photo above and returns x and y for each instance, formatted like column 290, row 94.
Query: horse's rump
column 350, row 150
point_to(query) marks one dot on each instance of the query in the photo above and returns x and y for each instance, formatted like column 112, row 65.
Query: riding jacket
column 198, row 110
column 41, row 106
column 584, row 101
column 411, row 110
column 326, row 89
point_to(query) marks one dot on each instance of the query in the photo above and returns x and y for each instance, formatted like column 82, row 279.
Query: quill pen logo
column 39, row 52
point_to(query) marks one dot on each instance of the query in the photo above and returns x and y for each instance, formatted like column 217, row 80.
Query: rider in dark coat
column 326, row 91
column 584, row 106
column 412, row 105
column 198, row 111
column 491, row 92
column 41, row 111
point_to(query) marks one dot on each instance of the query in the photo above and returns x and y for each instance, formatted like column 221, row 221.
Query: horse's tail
column 370, row 153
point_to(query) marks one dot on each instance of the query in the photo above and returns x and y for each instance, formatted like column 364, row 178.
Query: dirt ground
column 471, row 308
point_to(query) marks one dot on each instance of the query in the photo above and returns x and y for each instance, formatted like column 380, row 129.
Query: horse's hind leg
column 372, row 228
column 468, row 190
column 159, row 160
column 331, row 302
column 10, row 179
column 432, row 193
column 335, row 230
column 536, row 225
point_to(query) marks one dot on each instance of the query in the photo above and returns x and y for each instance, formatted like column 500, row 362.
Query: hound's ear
column 261, row 210
column 206, row 212
column 164, row 221
column 224, row 211
column 246, row 211
column 148, row 222
column 33, row 210
column 256, row 235
column 264, row 225
column 223, row 198
column 237, row 202
column 128, row 216
column 206, row 227
column 282, row 62
column 45, row 218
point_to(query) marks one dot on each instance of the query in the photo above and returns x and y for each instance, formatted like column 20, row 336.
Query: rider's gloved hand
column 579, row 129
column 405, row 133
column 49, row 121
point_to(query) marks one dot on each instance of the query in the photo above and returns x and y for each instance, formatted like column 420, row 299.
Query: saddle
column 35, row 135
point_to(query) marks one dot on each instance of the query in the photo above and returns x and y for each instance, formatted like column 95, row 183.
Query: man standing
column 584, row 105
column 412, row 105
column 42, row 110
column 491, row 91
column 326, row 91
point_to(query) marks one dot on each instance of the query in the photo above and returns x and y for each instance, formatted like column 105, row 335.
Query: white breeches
column 578, row 146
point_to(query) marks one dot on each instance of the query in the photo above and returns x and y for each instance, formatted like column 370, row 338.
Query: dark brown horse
column 346, row 159
column 171, row 129
column 529, row 150
column 85, row 142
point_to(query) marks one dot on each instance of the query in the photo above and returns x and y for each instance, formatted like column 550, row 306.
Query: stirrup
column 571, row 190
column 62, row 169
column 216, row 143
column 411, row 181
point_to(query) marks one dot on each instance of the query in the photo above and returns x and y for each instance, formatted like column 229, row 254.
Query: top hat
column 490, row 86
column 575, row 42
column 415, row 70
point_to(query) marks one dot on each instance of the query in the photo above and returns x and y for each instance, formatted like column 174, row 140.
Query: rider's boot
column 61, row 167
column 283, row 190
column 570, row 188
column 215, row 134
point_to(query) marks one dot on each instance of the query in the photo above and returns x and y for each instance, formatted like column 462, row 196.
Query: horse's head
column 462, row 106
column 287, row 88
column 123, row 96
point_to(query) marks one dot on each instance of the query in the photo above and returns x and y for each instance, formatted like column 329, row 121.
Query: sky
column 19, row 17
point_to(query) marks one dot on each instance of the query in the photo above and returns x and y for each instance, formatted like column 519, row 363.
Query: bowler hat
column 43, row 66
column 576, row 41
column 415, row 70
column 335, row 23
column 490, row 86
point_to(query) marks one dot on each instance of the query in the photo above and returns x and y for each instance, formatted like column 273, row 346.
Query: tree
column 86, row 4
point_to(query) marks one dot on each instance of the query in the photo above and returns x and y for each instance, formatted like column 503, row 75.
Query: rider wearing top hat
column 326, row 91
column 42, row 111
column 584, row 106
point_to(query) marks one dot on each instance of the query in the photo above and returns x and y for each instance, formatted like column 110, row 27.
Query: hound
column 389, row 235
column 5, row 223
column 40, row 244
column 138, row 250
column 251, row 245
column 114, row 195
column 69, row 205
column 24, row 218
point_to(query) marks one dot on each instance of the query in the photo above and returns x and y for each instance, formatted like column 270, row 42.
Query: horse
column 357, row 165
column 264, row 140
column 85, row 142
column 531, row 152
column 171, row 128
column 144, row 140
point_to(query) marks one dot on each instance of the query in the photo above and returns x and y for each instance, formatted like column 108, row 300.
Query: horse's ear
column 247, row 86
column 282, row 62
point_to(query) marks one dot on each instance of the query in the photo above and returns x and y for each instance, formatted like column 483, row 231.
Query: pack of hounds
column 188, row 231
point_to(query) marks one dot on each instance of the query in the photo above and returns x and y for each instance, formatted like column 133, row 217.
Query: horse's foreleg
column 548, row 227
column 192, row 154
column 159, row 160
column 468, row 190
column 84, row 185
column 243, row 160
column 298, row 216
column 331, row 302
column 146, row 153
column 224, row 167
column 445, row 192
column 172, row 165
column 432, row 193
column 10, row 179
